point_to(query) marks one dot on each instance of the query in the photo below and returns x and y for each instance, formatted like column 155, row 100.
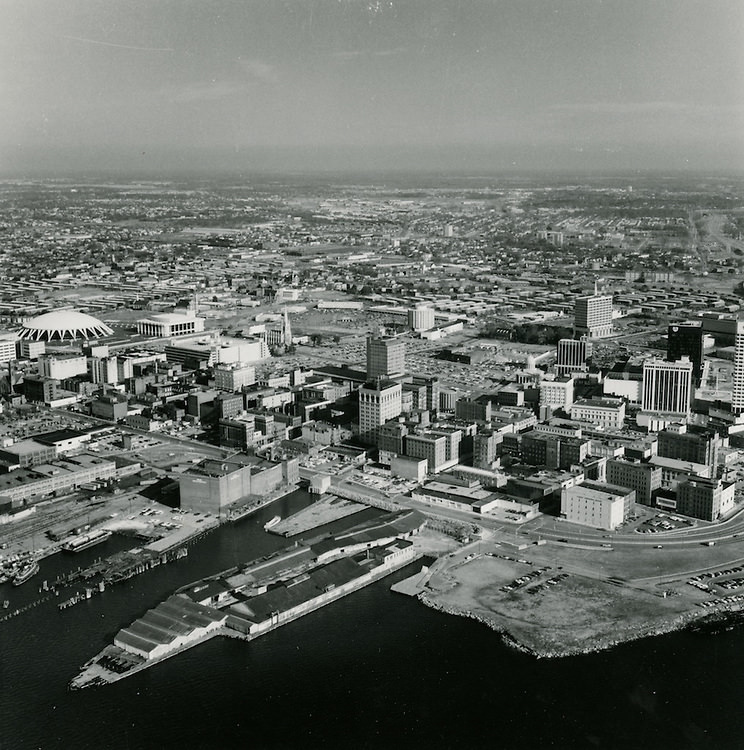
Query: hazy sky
column 440, row 84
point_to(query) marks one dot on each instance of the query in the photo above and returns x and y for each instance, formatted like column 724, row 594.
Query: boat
column 273, row 522
column 86, row 541
column 26, row 571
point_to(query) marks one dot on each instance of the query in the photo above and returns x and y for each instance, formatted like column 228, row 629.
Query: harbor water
column 374, row 670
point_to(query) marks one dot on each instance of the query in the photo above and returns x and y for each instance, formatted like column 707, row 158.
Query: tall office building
column 572, row 356
column 593, row 316
column 686, row 339
column 667, row 386
column 378, row 402
column 737, row 396
column 386, row 357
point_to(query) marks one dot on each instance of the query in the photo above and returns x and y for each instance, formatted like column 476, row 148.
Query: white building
column 605, row 412
column 601, row 506
column 378, row 402
column 7, row 346
column 737, row 396
column 593, row 316
column 166, row 325
column 232, row 377
column 558, row 393
column 63, row 366
column 421, row 317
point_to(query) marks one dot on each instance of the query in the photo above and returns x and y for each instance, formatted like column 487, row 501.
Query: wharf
column 325, row 510
column 255, row 502
column 414, row 585
column 114, row 663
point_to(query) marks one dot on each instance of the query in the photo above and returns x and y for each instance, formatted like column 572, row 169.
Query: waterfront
column 376, row 670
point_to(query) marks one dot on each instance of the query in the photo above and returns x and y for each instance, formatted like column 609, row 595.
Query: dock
column 327, row 509
column 413, row 585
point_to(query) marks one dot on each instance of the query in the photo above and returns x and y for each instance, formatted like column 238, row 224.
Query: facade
column 29, row 349
column 572, row 355
column 378, row 402
column 645, row 479
column 103, row 370
column 7, row 346
column 386, row 357
column 737, row 395
column 169, row 324
column 602, row 506
column 211, row 486
column 688, row 443
column 110, row 406
column 203, row 353
column 552, row 451
column 667, row 387
column 477, row 411
column 433, row 448
column 421, row 317
column 432, row 391
column 486, row 448
column 593, row 316
column 707, row 499
column 232, row 377
column 686, row 340
column 62, row 366
column 673, row 471
column 30, row 485
column 557, row 394
column 605, row 412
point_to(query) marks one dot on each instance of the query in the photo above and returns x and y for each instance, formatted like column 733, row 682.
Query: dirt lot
column 583, row 611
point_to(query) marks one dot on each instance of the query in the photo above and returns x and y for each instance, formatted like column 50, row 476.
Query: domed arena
column 63, row 325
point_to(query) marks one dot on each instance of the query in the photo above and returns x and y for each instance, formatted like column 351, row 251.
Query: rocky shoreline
column 701, row 622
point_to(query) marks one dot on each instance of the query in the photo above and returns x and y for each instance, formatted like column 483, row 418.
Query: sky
column 452, row 85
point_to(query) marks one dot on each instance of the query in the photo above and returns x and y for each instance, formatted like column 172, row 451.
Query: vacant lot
column 572, row 615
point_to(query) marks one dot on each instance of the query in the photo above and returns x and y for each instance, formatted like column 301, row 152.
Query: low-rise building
column 605, row 412
column 602, row 506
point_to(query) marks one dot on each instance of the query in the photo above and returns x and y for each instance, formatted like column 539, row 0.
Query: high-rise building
column 737, row 396
column 593, row 316
column 686, row 339
column 667, row 386
column 379, row 401
column 572, row 356
column 386, row 357
column 7, row 346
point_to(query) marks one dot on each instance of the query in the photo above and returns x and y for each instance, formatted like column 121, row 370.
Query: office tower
column 593, row 316
column 686, row 339
column 737, row 397
column 287, row 329
column 667, row 386
column 386, row 357
column 572, row 356
column 378, row 402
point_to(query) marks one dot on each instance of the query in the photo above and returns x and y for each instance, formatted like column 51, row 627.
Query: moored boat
column 86, row 541
column 273, row 522
column 26, row 571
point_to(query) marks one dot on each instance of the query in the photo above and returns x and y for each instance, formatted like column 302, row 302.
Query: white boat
column 273, row 522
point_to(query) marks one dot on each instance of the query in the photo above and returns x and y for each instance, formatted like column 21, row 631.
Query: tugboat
column 26, row 571
column 273, row 522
